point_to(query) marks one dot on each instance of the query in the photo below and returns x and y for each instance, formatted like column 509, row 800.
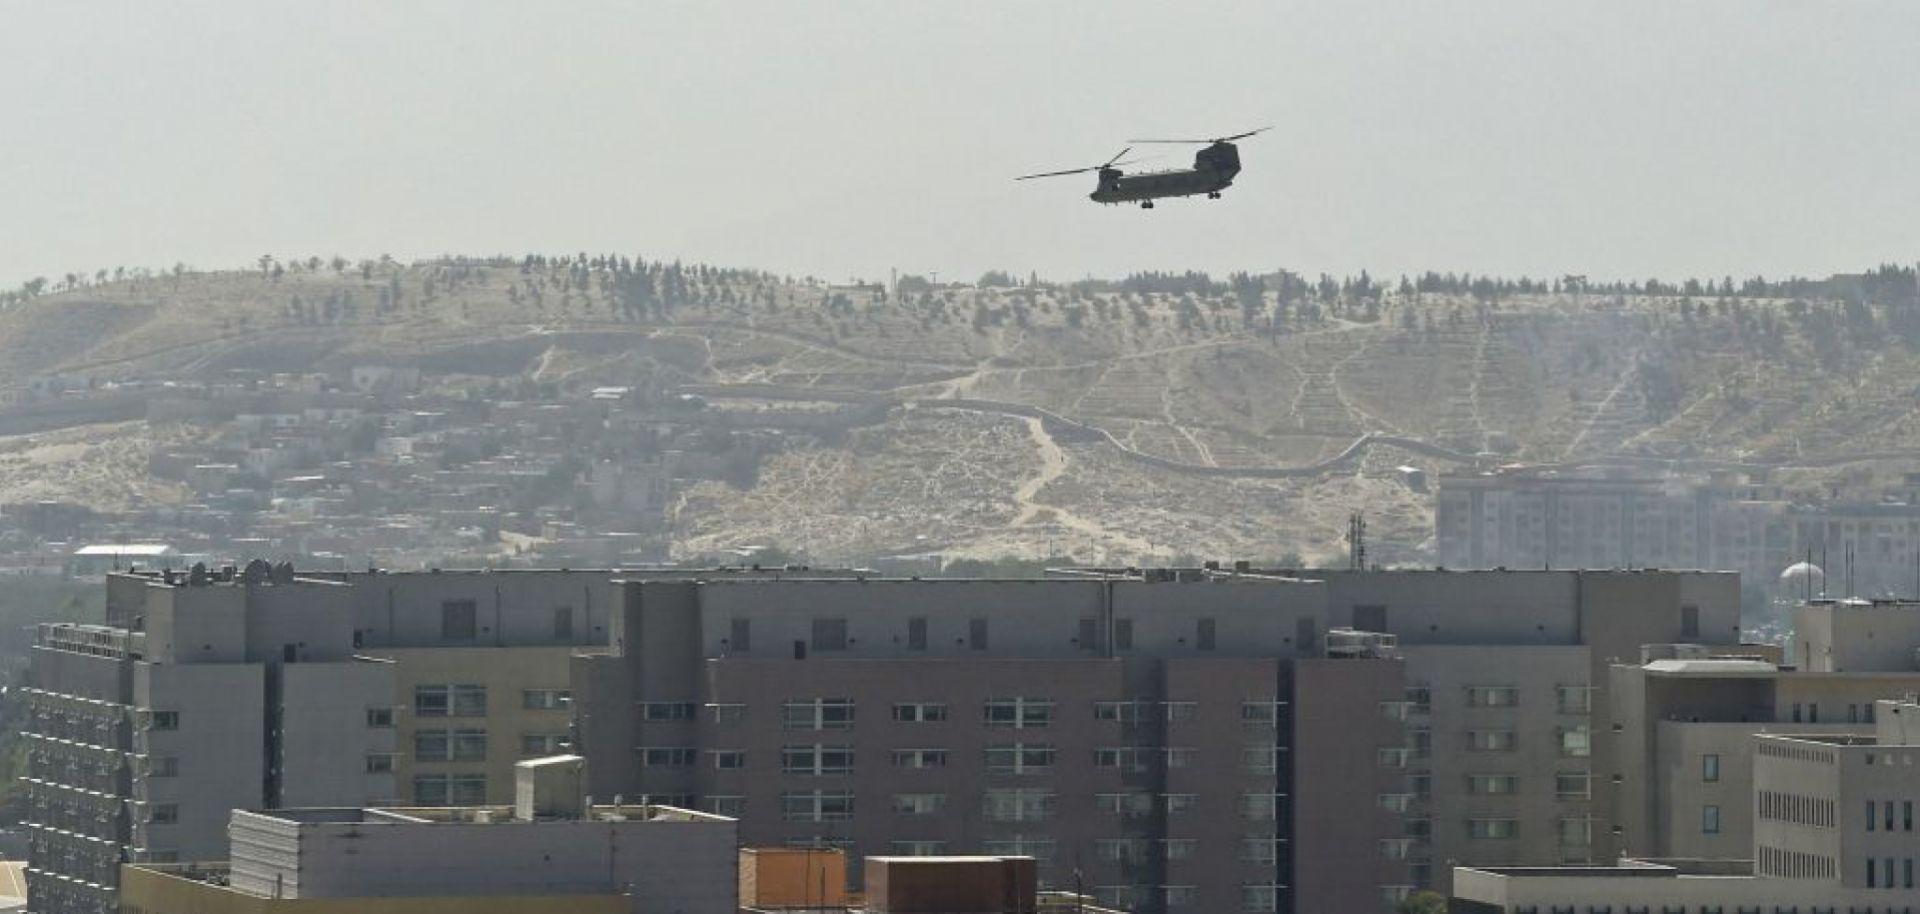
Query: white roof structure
column 135, row 550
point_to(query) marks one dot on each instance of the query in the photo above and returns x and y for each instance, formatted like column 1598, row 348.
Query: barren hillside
column 1157, row 416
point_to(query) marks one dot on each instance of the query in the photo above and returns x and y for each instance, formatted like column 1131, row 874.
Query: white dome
column 1799, row 573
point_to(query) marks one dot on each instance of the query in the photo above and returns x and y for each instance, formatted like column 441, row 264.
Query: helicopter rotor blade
column 1222, row 139
column 1117, row 156
column 1055, row 174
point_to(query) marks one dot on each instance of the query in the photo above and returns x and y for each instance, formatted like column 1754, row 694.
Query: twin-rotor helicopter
column 1214, row 168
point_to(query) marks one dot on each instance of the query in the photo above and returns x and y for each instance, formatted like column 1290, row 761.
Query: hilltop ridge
column 1158, row 414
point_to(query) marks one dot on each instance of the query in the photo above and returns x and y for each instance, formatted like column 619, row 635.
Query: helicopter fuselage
column 1214, row 169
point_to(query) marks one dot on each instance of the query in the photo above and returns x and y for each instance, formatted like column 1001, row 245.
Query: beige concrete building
column 231, row 690
column 1833, row 831
column 542, row 854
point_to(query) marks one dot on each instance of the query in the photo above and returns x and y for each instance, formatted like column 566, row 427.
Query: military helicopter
column 1214, row 168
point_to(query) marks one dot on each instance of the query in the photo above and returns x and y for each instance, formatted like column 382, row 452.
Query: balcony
column 1395, row 757
column 1396, row 802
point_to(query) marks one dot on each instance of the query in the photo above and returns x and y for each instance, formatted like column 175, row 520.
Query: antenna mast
column 1357, row 541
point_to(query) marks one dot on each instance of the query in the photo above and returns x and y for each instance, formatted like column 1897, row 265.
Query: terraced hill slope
column 1106, row 421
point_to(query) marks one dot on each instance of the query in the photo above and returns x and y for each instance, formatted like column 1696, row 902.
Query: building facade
column 235, row 691
column 1115, row 725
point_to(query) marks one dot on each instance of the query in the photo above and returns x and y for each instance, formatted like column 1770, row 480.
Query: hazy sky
column 843, row 139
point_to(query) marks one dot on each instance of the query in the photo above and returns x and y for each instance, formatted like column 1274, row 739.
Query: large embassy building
column 1169, row 740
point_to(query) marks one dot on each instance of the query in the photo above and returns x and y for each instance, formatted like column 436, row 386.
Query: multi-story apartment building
column 232, row 690
column 954, row 716
column 1833, row 829
column 1533, row 518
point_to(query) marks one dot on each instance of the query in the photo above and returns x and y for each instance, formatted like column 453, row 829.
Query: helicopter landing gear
column 1146, row 204
column 1213, row 195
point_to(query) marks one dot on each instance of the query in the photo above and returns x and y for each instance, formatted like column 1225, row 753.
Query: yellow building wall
column 146, row 891
column 507, row 672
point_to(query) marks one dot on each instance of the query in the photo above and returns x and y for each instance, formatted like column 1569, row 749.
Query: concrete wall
column 1339, row 824
column 512, row 608
column 220, row 745
column 1448, row 672
column 154, row 891
column 685, row 866
column 325, row 742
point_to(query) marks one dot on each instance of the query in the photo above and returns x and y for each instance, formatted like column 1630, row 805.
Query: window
column 457, row 620
column 1491, row 740
column 430, row 701
column 1710, row 767
column 917, row 848
column 163, row 766
column 977, row 634
column 1574, row 699
column 1259, row 898
column 817, row 805
column 1019, row 713
column 919, row 712
column 1123, row 634
column 917, row 633
column 1709, row 820
column 1179, row 803
column 730, row 713
column 1178, row 711
column 1689, row 621
column 1177, row 848
column 919, row 758
column 1492, row 829
column 380, row 718
column 1420, row 784
column 1179, row 756
column 165, row 813
column 1492, row 784
column 1020, row 758
column 1870, row 816
column 1177, row 896
column 1261, row 759
column 1421, row 698
column 1492, row 696
column 1259, row 713
column 1573, row 785
column 830, row 634
column 1120, row 850
column 819, row 714
column 666, row 756
column 563, row 623
column 469, row 745
column 739, row 635
column 1576, row 831
column 1126, row 805
column 432, row 746
column 919, row 804
column 1019, row 804
column 729, row 759
column 164, row 720
column 556, row 699
column 1575, row 742
column 469, row 700
column 449, row 789
column 535, row 745
column 1261, row 850
column 1203, row 635
column 732, row 807
column 380, row 763
column 1125, row 758
column 666, row 710
column 1126, row 712
column 1906, row 815
column 816, row 760
column 1259, row 807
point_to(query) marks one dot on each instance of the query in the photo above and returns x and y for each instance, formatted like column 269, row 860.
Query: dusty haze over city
column 1622, row 140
